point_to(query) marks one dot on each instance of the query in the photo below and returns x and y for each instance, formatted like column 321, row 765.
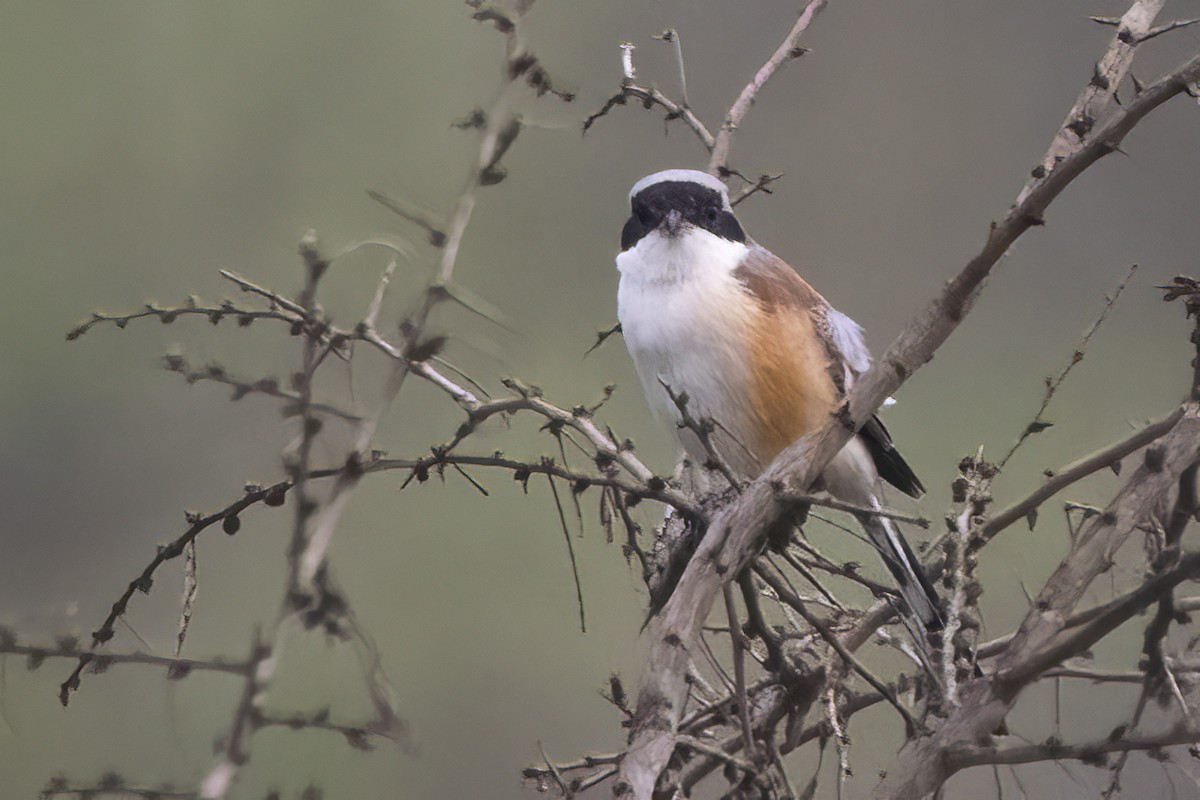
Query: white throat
column 695, row 254
column 686, row 320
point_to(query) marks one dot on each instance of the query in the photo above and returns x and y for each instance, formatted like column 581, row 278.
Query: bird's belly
column 762, row 378
column 692, row 338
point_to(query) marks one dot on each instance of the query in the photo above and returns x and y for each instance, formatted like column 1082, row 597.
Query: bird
column 722, row 329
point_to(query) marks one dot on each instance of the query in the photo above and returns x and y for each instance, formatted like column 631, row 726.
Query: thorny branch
column 271, row 495
column 718, row 145
column 640, row 485
column 736, row 533
column 312, row 599
column 1108, row 457
column 68, row 647
column 682, row 728
column 649, row 97
column 112, row 785
column 1099, row 94
column 1038, row 423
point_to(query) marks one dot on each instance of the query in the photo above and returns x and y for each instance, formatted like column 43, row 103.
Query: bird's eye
column 711, row 213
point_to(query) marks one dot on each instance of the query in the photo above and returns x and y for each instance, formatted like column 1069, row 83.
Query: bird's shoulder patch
column 789, row 357
column 779, row 288
column 771, row 281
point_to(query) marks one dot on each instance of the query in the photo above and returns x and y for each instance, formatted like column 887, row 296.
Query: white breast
column 685, row 320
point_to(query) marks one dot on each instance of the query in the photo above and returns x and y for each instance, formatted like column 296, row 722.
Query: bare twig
column 788, row 50
column 671, row 36
column 233, row 753
column 112, row 785
column 1078, row 470
column 570, row 553
column 1167, row 28
column 751, row 188
column 97, row 663
column 974, row 755
column 1037, row 424
column 1097, row 96
column 839, row 647
column 437, row 237
column 703, row 430
column 216, row 373
column 826, row 501
column 168, row 314
column 271, row 495
column 649, row 96
column 739, row 669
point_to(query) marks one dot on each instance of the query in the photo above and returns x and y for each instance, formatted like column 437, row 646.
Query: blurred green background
column 144, row 146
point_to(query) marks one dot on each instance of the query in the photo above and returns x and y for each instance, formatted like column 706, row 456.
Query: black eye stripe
column 701, row 206
column 725, row 225
column 681, row 195
column 633, row 232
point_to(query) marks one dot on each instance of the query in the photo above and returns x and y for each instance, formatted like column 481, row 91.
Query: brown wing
column 784, row 295
column 792, row 367
column 774, row 283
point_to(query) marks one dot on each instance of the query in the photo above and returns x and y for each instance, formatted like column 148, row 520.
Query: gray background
column 146, row 145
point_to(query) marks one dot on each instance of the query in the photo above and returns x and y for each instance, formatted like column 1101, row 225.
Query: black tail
column 890, row 465
column 919, row 595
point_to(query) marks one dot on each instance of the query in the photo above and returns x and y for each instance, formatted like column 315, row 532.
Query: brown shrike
column 706, row 310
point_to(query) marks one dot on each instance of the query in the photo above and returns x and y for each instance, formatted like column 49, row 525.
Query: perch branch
column 737, row 534
column 1096, row 98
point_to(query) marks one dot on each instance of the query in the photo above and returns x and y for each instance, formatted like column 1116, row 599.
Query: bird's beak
column 672, row 223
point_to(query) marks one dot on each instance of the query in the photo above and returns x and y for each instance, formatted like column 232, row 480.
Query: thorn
column 1170, row 26
column 601, row 336
column 1081, row 126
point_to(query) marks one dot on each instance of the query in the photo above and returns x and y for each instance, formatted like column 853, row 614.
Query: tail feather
column 890, row 465
column 915, row 588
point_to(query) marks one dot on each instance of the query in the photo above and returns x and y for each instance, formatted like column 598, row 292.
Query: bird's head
column 675, row 202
